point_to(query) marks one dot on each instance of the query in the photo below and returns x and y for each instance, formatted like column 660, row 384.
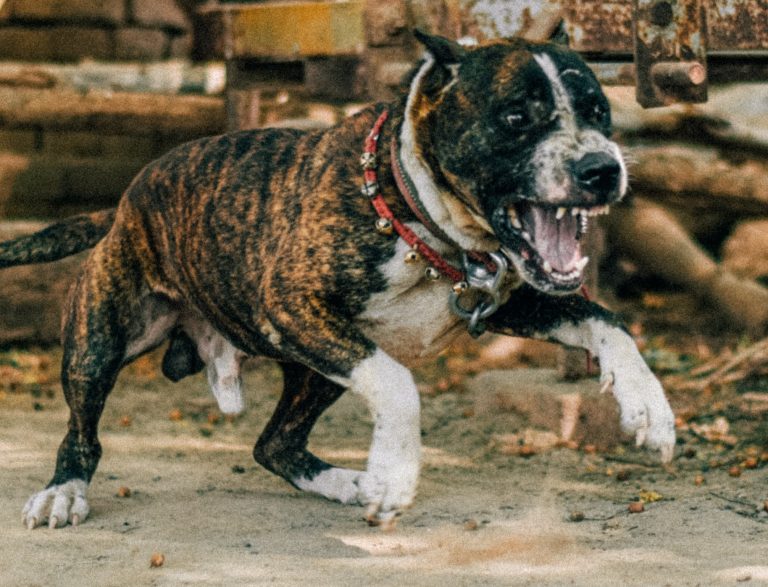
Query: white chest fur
column 411, row 319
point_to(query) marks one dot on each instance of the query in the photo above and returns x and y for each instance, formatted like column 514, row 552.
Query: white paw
column 387, row 494
column 336, row 483
column 644, row 409
column 57, row 505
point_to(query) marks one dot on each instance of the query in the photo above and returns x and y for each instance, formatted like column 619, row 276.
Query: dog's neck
column 465, row 229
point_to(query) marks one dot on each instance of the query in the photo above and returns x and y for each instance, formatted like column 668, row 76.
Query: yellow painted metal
column 298, row 29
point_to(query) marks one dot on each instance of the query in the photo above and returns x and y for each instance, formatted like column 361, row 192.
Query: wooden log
column 31, row 297
column 745, row 252
column 700, row 178
column 111, row 112
column 655, row 239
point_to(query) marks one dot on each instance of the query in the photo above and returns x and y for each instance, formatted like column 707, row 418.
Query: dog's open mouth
column 544, row 243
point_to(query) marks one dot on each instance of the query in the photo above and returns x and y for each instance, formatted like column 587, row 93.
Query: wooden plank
column 294, row 30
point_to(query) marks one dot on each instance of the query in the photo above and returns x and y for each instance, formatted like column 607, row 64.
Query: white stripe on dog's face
column 563, row 106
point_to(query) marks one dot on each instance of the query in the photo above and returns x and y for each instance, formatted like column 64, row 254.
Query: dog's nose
column 598, row 174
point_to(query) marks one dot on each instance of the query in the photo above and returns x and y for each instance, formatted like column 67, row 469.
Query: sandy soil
column 481, row 518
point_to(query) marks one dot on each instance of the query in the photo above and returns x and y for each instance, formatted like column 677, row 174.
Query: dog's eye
column 517, row 120
column 526, row 116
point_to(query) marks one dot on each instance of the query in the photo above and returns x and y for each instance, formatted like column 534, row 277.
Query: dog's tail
column 59, row 240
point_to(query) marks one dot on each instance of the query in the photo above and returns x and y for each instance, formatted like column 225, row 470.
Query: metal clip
column 481, row 280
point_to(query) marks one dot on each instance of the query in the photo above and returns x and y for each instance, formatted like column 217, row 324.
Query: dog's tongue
column 555, row 240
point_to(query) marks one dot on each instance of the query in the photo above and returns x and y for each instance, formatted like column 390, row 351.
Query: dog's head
column 516, row 134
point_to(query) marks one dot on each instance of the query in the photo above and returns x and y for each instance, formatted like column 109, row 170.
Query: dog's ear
column 445, row 51
column 560, row 35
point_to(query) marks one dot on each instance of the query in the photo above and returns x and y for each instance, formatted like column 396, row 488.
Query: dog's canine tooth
column 547, row 266
column 527, row 236
column 575, row 211
column 581, row 263
column 560, row 213
column 513, row 218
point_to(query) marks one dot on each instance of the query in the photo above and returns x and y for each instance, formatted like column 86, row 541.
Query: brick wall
column 70, row 30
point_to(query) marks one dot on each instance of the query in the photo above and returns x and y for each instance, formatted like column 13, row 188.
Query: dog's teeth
column 581, row 263
column 560, row 213
column 527, row 236
column 513, row 218
column 547, row 266
column 575, row 211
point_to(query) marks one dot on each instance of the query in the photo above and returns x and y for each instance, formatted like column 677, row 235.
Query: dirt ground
column 481, row 517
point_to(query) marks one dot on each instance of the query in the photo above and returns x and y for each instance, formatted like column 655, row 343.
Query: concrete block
column 24, row 44
column 58, row 43
column 180, row 46
column 47, row 187
column 101, row 11
column 333, row 77
column 90, row 144
column 141, row 44
column 99, row 181
column 72, row 43
column 18, row 141
column 164, row 14
column 29, row 189
column 574, row 411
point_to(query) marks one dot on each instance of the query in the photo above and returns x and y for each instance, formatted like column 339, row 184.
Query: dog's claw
column 53, row 522
column 387, row 521
column 640, row 437
column 606, row 383
column 31, row 523
column 75, row 520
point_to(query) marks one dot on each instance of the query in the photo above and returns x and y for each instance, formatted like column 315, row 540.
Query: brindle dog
column 260, row 243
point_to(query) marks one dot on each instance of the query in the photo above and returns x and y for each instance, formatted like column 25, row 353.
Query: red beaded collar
column 387, row 223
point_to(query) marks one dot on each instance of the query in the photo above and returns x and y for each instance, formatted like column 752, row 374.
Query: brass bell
column 368, row 160
column 384, row 226
column 460, row 287
column 432, row 274
column 412, row 256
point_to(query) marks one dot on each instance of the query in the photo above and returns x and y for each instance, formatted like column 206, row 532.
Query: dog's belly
column 411, row 319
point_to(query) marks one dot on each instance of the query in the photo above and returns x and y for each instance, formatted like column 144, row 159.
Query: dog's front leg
column 388, row 485
column 573, row 321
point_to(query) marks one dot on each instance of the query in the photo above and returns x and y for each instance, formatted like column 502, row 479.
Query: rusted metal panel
column 597, row 26
column 737, row 25
column 670, row 51
column 295, row 30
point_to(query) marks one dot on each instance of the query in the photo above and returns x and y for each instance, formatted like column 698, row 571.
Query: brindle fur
column 264, row 235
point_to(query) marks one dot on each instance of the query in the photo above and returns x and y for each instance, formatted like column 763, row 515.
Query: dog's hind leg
column 282, row 446
column 93, row 353
column 106, row 326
